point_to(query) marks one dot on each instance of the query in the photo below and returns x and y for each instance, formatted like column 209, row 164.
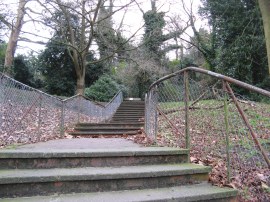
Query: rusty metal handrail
column 220, row 76
column 226, row 80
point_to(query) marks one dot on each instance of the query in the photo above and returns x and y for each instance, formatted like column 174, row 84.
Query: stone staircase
column 128, row 119
column 104, row 173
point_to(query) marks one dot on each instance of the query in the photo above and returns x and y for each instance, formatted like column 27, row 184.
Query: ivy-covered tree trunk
column 265, row 11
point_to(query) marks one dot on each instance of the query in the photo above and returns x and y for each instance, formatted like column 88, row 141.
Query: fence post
column 186, row 100
column 155, row 99
column 62, row 118
column 39, row 115
column 79, row 108
column 145, row 113
column 227, row 134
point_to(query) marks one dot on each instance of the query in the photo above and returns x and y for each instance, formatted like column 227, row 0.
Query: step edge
column 89, row 153
column 86, row 176
column 223, row 194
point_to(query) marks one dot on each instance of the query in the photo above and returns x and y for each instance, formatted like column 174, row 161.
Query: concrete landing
column 77, row 143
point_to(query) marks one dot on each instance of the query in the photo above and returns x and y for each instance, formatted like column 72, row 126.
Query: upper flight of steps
column 127, row 174
column 128, row 119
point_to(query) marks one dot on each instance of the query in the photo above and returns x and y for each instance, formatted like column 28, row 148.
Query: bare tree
column 15, row 30
column 265, row 11
column 78, row 23
column 206, row 47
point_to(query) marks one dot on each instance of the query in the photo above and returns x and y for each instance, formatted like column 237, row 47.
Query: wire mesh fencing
column 29, row 115
column 230, row 132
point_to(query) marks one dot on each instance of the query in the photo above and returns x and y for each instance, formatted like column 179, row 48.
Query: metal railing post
column 62, row 119
column 156, row 113
column 227, row 134
column 39, row 115
column 145, row 112
column 186, row 100
column 79, row 108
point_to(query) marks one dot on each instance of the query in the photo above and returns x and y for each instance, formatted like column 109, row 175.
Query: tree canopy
column 86, row 41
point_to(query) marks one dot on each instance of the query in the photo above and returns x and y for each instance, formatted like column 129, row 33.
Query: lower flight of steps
column 128, row 120
column 108, row 175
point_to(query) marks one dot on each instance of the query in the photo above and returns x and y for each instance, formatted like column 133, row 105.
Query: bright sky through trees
column 132, row 20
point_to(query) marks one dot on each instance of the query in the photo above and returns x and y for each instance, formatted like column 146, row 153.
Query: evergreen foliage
column 238, row 31
column 103, row 89
column 21, row 71
column 59, row 72
column 3, row 47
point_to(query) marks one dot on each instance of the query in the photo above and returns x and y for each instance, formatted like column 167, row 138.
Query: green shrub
column 103, row 89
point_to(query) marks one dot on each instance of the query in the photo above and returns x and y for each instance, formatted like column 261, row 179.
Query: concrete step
column 127, row 118
column 109, row 125
column 131, row 111
column 97, row 128
column 133, row 103
column 101, row 132
column 31, row 182
column 71, row 158
column 128, row 114
column 198, row 192
column 128, row 121
column 131, row 107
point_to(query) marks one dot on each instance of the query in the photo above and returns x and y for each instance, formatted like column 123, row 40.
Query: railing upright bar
column 62, row 119
column 39, row 114
column 226, row 112
column 156, row 113
column 186, row 100
column 145, row 111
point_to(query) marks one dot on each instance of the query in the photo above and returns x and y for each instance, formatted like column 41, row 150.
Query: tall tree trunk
column 265, row 11
column 14, row 35
column 80, row 85
column 80, row 68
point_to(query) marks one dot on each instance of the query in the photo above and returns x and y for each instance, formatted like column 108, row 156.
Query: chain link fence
column 198, row 110
column 29, row 115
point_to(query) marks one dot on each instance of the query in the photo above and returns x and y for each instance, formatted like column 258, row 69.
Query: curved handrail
column 80, row 95
column 29, row 87
column 226, row 81
column 57, row 98
column 220, row 76
column 113, row 98
column 94, row 102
